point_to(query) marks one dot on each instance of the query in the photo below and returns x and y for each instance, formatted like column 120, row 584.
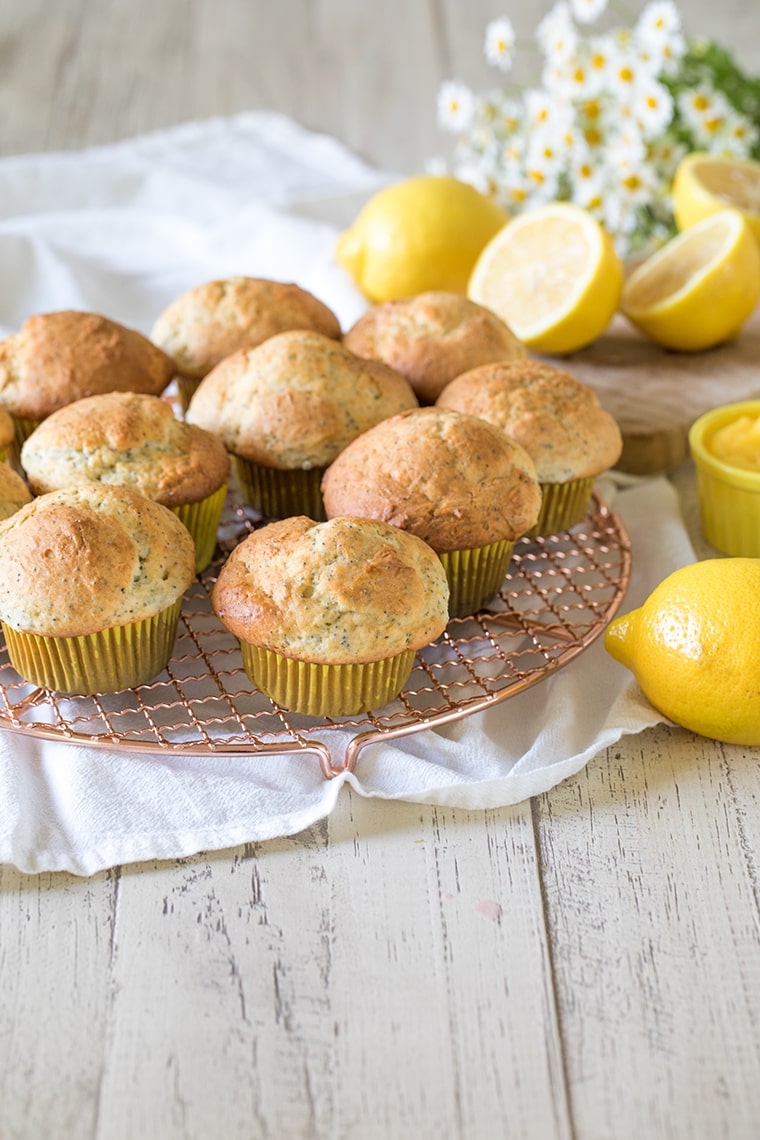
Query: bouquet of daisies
column 609, row 121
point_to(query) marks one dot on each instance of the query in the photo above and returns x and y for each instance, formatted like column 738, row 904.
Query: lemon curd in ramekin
column 725, row 446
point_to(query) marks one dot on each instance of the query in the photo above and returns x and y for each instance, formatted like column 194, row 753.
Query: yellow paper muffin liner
column 103, row 662
column 279, row 494
column 202, row 520
column 562, row 506
column 187, row 386
column 475, row 575
column 24, row 428
column 326, row 690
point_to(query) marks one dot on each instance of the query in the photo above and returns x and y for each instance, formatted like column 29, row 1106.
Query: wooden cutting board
column 656, row 395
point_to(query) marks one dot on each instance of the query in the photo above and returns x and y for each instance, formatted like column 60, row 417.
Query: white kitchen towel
column 122, row 230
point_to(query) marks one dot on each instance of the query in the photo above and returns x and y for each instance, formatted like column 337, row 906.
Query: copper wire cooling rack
column 557, row 597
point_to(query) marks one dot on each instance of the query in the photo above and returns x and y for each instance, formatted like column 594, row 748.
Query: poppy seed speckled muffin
column 91, row 585
column 57, row 358
column 286, row 408
column 14, row 493
column 329, row 615
column 557, row 419
column 431, row 338
column 213, row 320
column 131, row 440
column 454, row 480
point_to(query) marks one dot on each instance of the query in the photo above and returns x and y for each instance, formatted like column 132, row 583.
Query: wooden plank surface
column 656, row 395
column 583, row 966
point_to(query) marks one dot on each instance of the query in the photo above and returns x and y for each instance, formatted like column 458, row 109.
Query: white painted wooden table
column 584, row 966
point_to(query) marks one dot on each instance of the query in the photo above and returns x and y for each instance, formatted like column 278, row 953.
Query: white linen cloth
column 122, row 230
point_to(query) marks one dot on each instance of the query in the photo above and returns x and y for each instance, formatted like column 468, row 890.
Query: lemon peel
column 692, row 647
column 705, row 183
column 421, row 234
column 553, row 275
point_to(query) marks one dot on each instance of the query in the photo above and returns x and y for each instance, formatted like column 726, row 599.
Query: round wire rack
column 557, row 597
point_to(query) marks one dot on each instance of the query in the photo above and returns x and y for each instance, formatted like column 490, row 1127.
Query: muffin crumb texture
column 57, row 358
column 345, row 591
column 452, row 479
column 431, row 338
column 297, row 400
column 557, row 418
column 87, row 558
column 126, row 439
column 14, row 493
column 213, row 320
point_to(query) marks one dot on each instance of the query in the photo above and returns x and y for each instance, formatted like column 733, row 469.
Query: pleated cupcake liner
column 23, row 428
column 326, row 690
column 202, row 519
column 475, row 575
column 281, row 494
column 562, row 506
column 187, row 386
column 103, row 662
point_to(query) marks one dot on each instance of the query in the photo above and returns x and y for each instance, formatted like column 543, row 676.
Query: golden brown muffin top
column 126, row 439
column 296, row 400
column 217, row 318
column 351, row 590
column 7, row 428
column 557, row 419
column 90, row 558
column 431, row 338
column 57, row 358
column 14, row 492
column 452, row 479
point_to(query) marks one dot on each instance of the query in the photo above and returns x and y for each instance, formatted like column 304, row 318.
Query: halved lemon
column 706, row 183
column 698, row 290
column 553, row 275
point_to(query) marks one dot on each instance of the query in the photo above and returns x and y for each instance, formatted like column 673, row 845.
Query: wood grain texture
column 656, row 395
column 584, row 967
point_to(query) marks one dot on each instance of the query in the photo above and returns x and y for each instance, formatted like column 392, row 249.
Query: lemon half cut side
column 553, row 275
column 706, row 183
column 699, row 289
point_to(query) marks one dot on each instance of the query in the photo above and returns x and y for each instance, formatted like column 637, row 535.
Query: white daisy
column 586, row 11
column 556, row 34
column 500, row 43
column 658, row 22
column 739, row 136
column 456, row 105
column 652, row 107
column 625, row 72
column 706, row 112
column 658, row 34
column 600, row 57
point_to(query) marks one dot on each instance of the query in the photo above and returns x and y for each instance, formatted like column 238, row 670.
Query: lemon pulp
column 553, row 276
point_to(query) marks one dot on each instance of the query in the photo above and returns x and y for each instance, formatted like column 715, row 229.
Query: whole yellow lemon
column 693, row 648
column 424, row 233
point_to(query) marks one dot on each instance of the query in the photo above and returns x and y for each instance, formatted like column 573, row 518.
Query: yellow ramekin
column 326, row 690
column 729, row 497
column 107, row 661
column 278, row 493
column 474, row 576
